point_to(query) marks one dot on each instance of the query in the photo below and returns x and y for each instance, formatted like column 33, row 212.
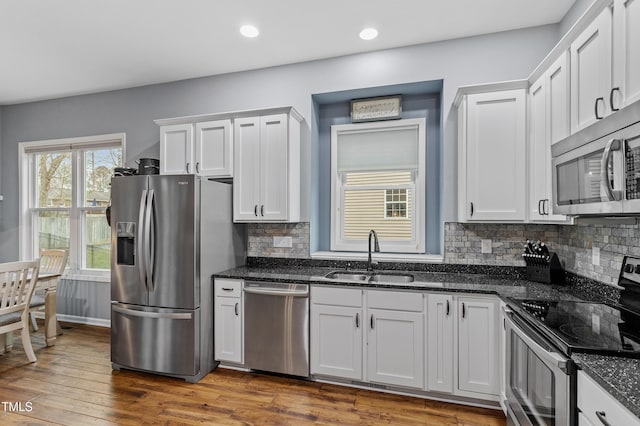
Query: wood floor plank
column 72, row 383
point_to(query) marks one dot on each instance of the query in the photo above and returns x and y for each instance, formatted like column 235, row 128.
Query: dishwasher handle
column 277, row 292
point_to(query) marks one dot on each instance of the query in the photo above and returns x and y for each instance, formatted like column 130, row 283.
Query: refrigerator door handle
column 149, row 241
column 145, row 314
column 140, row 247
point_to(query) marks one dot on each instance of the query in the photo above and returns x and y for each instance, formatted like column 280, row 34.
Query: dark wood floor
column 72, row 384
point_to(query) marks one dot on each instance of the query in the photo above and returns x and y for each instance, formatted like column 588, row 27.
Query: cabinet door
column 477, row 360
column 176, row 149
column 336, row 341
column 213, row 149
column 495, row 156
column 558, row 99
column 246, row 182
column 440, row 343
column 591, row 58
column 626, row 53
column 538, row 161
column 228, row 329
column 396, row 348
column 274, row 161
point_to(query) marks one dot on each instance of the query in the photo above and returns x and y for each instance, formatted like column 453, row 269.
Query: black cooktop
column 603, row 328
column 585, row 326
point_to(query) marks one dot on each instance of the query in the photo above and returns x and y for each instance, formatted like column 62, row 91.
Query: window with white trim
column 377, row 182
column 65, row 188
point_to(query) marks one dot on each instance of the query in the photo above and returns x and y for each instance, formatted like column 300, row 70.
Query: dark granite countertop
column 503, row 286
column 620, row 376
column 617, row 375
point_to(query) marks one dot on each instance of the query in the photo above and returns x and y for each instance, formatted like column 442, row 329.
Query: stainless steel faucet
column 376, row 248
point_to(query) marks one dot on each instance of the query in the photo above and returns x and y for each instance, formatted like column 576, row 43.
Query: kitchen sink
column 392, row 278
column 348, row 276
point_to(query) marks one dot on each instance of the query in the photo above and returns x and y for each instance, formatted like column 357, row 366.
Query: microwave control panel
column 632, row 173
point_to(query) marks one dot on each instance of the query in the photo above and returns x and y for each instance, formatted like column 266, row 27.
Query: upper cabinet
column 269, row 157
column 492, row 156
column 204, row 148
column 548, row 122
column 605, row 64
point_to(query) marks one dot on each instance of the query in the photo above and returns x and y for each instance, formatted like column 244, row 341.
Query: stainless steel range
column 541, row 335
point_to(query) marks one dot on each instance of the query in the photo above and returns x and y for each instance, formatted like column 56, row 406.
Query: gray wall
column 494, row 57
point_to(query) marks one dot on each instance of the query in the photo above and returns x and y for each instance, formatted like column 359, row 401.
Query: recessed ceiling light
column 368, row 34
column 249, row 31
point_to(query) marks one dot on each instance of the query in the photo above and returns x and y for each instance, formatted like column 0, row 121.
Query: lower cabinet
column 336, row 332
column 393, row 345
column 478, row 362
column 440, row 327
column 596, row 406
column 228, row 331
column 432, row 342
column 395, row 341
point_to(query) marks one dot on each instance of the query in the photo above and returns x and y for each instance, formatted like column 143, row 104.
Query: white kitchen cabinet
column 440, row 343
column 176, row 148
column 605, row 64
column 478, row 361
column 541, row 121
column 596, row 404
column 492, row 156
column 203, row 148
column 626, row 53
column 558, row 99
column 336, row 332
column 228, row 315
column 395, row 341
column 267, row 164
column 591, row 61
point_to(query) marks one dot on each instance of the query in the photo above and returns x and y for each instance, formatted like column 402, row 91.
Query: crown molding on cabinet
column 229, row 115
column 488, row 87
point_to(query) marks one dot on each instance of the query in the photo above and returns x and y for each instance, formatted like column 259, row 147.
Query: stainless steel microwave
column 596, row 172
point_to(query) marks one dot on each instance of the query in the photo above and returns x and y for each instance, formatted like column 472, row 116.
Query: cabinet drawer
column 592, row 398
column 227, row 288
column 336, row 296
column 395, row 300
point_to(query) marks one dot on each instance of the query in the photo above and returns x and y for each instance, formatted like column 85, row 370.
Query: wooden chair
column 51, row 262
column 17, row 284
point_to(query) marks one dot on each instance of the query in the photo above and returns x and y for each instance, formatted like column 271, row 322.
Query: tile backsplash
column 574, row 244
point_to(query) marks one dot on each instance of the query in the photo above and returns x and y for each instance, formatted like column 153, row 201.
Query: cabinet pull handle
column 471, row 209
column 255, row 210
column 545, row 207
column 598, row 116
column 372, row 321
column 235, row 309
column 447, row 307
column 602, row 416
column 188, row 168
column 464, row 311
column 357, row 319
column 227, row 288
column 615, row 89
column 262, row 210
column 540, row 210
column 198, row 167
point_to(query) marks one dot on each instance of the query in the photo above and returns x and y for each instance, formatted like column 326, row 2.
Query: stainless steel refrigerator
column 169, row 234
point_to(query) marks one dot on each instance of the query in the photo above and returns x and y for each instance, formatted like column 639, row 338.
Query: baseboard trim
column 99, row 322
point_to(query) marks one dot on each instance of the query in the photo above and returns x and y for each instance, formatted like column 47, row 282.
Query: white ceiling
column 55, row 48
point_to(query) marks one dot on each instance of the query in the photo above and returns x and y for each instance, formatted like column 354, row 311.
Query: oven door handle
column 532, row 338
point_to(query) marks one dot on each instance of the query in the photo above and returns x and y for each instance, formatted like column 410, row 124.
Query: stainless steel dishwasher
column 277, row 327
